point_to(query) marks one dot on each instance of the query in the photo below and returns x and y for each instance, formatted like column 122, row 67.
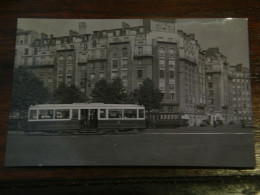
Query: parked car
column 205, row 123
column 247, row 124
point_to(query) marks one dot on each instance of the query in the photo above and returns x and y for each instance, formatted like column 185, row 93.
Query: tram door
column 93, row 118
column 84, row 122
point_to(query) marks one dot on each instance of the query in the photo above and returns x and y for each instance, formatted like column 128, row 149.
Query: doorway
column 88, row 119
column 93, row 119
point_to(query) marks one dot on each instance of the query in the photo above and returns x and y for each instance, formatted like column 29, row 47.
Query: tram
column 86, row 117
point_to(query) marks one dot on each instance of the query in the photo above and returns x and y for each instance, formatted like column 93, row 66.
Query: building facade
column 194, row 83
column 241, row 90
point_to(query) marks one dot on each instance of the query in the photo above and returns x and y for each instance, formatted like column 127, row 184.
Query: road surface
column 229, row 146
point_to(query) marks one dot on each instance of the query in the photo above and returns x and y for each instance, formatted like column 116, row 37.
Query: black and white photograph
column 131, row 92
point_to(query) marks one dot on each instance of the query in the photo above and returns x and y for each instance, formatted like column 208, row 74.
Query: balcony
column 145, row 50
column 43, row 63
column 64, row 47
column 184, row 55
column 82, row 60
column 97, row 57
column 214, row 69
column 231, row 74
column 118, row 39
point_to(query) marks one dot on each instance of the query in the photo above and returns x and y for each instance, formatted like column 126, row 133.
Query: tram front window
column 75, row 114
column 33, row 115
column 141, row 113
column 62, row 114
column 45, row 114
column 115, row 113
column 130, row 113
column 102, row 113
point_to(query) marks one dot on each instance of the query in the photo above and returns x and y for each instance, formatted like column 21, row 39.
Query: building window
column 172, row 96
column 162, row 85
column 114, row 63
column 60, row 60
column 140, row 50
column 34, row 61
column 171, row 74
column 92, row 76
column 161, row 51
column 124, row 52
column 171, row 86
column 211, row 110
column 124, row 74
column 171, row 64
column 83, row 58
column 139, row 73
column 172, row 52
column 92, row 65
column 162, row 63
column 69, row 60
column 160, row 38
column 117, row 32
column 139, row 83
column 125, row 83
column 35, row 51
column 161, row 74
column 140, row 39
column 211, row 101
column 124, row 63
column 114, row 74
column 69, row 80
column 210, row 84
column 103, row 53
column 102, row 65
column 210, row 92
column 101, row 75
column 49, row 80
column 69, row 69
column 115, row 52
column 26, row 51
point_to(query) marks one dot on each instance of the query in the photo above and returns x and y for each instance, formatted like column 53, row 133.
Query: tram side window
column 115, row 113
column 75, row 114
column 33, row 115
column 62, row 114
column 130, row 113
column 102, row 113
column 141, row 113
column 45, row 114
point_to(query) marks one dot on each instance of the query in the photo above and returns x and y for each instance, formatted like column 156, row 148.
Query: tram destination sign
column 131, row 92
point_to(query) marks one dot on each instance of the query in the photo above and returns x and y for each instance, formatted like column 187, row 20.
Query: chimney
column 73, row 33
column 82, row 28
column 191, row 36
column 125, row 25
column 44, row 36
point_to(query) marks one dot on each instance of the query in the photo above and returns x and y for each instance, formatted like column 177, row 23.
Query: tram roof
column 86, row 105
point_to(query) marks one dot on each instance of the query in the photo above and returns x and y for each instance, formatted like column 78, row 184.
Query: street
column 226, row 146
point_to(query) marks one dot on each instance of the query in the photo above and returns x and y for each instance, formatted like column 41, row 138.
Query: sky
column 229, row 34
